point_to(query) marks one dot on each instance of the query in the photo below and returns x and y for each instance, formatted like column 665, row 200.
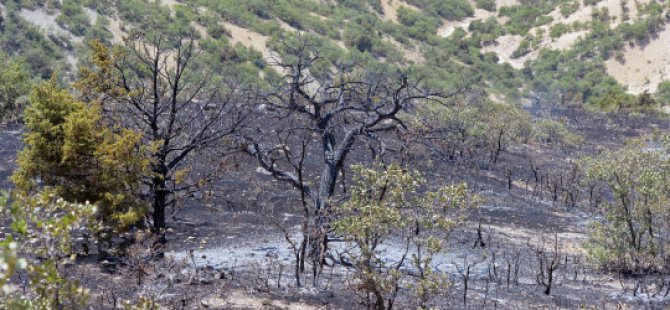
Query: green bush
column 385, row 205
column 663, row 93
column 558, row 30
column 489, row 5
column 569, row 8
column 449, row 9
column 522, row 18
column 632, row 235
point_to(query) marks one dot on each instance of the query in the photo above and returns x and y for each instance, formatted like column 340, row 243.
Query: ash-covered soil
column 229, row 251
column 10, row 143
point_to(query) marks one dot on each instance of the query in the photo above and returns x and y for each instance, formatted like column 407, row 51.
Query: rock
column 262, row 170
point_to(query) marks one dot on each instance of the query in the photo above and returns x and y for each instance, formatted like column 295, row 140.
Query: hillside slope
column 492, row 41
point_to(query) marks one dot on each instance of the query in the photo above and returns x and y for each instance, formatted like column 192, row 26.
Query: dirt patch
column 249, row 39
column 614, row 9
column 47, row 23
column 643, row 68
column 170, row 3
column 241, row 300
column 450, row 26
column 505, row 47
column 118, row 34
column 501, row 3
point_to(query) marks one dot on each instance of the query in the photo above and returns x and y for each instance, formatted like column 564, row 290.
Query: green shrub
column 489, row 5
column 569, row 8
column 449, row 9
column 632, row 235
column 386, row 205
column 40, row 247
column 663, row 93
column 558, row 30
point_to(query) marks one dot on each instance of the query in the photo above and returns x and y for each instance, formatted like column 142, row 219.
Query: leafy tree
column 99, row 30
column 503, row 124
column 553, row 132
column 386, row 211
column 73, row 152
column 633, row 234
column 524, row 17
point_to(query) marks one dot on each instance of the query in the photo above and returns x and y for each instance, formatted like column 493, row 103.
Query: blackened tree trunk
column 333, row 112
column 159, row 204
column 146, row 86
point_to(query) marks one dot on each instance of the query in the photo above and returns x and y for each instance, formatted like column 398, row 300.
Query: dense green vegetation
column 18, row 37
column 358, row 25
column 73, row 153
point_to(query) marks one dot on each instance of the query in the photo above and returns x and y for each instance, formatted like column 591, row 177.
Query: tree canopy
column 71, row 150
